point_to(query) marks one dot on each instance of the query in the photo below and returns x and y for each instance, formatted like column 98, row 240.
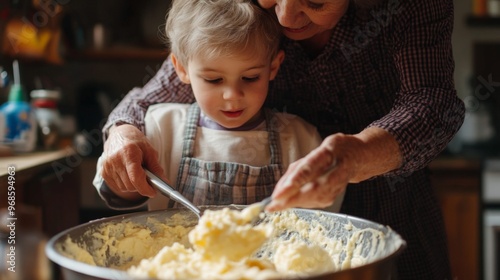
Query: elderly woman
column 376, row 78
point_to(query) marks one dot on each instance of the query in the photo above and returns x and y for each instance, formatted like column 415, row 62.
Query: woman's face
column 304, row 19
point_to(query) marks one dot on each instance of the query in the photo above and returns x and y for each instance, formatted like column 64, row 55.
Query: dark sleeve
column 165, row 86
column 117, row 203
column 427, row 112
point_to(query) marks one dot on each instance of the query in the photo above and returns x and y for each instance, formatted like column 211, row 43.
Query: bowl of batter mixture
column 174, row 244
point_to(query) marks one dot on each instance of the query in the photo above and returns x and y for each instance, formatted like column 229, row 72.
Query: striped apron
column 222, row 183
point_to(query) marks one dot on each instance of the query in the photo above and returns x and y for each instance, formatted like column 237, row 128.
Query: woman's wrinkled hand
column 317, row 179
column 126, row 152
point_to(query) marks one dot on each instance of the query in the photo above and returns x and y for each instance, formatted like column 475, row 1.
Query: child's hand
column 126, row 151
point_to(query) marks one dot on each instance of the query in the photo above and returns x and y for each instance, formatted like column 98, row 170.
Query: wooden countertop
column 27, row 161
column 36, row 183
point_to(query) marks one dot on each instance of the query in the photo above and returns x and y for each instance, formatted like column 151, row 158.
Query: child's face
column 232, row 90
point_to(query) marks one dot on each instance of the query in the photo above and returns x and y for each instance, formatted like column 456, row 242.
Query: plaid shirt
column 390, row 66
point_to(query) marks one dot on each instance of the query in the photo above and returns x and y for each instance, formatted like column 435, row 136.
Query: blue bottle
column 20, row 122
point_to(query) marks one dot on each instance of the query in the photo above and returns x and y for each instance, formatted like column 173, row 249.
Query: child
column 225, row 148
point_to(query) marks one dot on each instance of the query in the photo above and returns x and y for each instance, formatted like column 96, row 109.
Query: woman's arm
column 164, row 87
column 426, row 115
column 427, row 112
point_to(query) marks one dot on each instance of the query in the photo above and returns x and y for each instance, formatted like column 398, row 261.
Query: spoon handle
column 167, row 190
column 265, row 202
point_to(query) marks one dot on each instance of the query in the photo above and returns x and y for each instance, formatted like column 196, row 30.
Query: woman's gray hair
column 213, row 28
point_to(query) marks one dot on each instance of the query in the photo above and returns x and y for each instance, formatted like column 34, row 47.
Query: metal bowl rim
column 98, row 271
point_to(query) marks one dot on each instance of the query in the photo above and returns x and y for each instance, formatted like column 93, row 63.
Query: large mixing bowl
column 381, row 253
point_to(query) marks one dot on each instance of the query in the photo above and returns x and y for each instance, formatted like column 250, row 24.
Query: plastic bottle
column 4, row 82
column 2, row 127
column 20, row 122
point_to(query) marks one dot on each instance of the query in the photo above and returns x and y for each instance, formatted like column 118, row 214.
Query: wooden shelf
column 486, row 21
column 118, row 53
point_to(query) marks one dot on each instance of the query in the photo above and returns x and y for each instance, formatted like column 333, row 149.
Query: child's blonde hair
column 213, row 28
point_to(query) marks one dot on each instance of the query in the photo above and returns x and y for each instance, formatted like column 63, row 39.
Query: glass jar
column 49, row 120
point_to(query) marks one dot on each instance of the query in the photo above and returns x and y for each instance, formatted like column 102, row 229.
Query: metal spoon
column 254, row 210
column 167, row 190
column 265, row 202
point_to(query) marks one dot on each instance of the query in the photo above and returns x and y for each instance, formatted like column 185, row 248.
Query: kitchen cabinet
column 92, row 30
column 115, row 30
column 457, row 183
column 47, row 186
column 131, row 51
column 47, row 181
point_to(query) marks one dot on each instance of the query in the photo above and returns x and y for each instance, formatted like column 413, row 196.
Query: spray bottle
column 21, row 127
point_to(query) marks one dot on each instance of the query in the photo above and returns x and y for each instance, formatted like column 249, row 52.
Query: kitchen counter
column 48, row 181
column 27, row 161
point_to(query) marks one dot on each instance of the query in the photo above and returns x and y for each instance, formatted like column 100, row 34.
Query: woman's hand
column 126, row 151
column 317, row 179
